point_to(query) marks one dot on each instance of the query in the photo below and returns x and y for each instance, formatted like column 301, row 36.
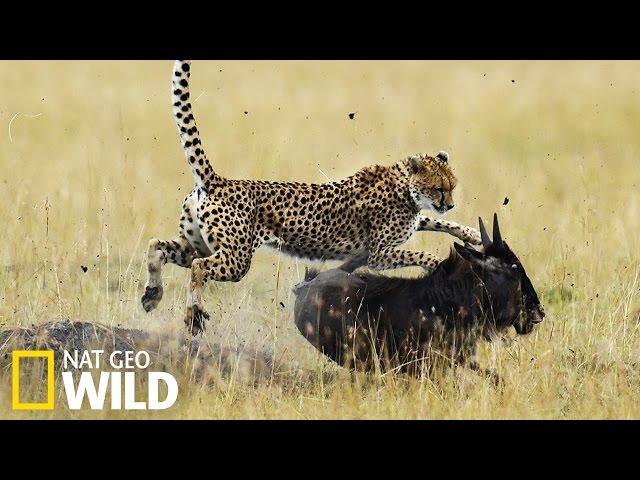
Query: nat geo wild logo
column 121, row 383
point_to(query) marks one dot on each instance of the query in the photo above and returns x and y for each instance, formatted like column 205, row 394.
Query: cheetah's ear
column 443, row 156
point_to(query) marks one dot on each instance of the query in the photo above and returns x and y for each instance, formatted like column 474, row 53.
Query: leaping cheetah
column 223, row 221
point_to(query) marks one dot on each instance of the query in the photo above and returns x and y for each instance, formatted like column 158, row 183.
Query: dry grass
column 100, row 171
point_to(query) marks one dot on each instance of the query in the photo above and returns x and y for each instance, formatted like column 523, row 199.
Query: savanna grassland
column 91, row 169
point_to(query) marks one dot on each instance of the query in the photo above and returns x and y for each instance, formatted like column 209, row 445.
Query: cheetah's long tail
column 189, row 135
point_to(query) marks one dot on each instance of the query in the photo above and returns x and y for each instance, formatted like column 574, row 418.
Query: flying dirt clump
column 200, row 359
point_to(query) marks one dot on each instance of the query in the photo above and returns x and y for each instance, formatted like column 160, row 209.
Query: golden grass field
column 92, row 168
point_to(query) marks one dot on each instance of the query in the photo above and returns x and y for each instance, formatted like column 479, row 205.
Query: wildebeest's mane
column 311, row 273
column 378, row 284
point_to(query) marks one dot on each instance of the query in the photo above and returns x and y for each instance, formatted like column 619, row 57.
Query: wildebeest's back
column 358, row 319
column 324, row 309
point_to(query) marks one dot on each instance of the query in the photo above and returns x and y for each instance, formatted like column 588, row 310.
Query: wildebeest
column 412, row 325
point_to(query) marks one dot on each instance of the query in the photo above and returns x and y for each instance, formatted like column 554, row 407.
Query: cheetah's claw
column 195, row 320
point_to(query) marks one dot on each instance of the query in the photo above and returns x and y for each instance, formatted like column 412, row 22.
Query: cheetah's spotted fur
column 224, row 221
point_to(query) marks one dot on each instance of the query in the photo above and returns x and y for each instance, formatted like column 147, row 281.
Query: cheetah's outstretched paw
column 151, row 297
column 195, row 319
column 472, row 236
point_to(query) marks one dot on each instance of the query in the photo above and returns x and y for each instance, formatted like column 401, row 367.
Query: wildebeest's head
column 513, row 299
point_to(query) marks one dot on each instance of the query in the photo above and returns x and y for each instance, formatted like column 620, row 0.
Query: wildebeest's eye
column 514, row 266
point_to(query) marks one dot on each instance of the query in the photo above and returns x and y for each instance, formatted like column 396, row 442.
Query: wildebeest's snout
column 536, row 315
column 529, row 319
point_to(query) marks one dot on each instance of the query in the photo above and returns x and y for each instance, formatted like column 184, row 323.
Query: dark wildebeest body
column 412, row 325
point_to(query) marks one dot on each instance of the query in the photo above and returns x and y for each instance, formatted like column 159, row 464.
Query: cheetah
column 367, row 215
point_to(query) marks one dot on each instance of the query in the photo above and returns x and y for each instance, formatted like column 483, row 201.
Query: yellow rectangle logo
column 15, row 377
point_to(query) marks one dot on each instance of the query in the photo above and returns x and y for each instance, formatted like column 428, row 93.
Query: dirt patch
column 197, row 358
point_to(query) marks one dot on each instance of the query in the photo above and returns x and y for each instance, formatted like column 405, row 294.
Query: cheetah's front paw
column 195, row 319
column 472, row 236
column 151, row 297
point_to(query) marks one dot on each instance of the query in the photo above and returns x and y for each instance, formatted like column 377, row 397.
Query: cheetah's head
column 431, row 182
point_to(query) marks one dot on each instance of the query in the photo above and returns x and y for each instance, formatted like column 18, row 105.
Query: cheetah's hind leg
column 178, row 251
column 227, row 264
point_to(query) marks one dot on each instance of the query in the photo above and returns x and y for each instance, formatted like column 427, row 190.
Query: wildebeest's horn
column 486, row 241
column 497, row 238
